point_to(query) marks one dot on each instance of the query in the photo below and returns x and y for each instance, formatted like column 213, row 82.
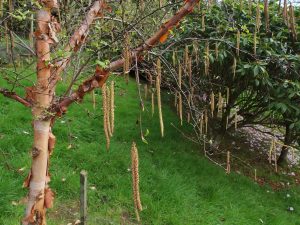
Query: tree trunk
column 40, row 196
column 287, row 141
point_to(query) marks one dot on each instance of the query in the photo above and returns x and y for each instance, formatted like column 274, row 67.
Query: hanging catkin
column 234, row 67
column 135, row 180
column 126, row 56
column 250, row 7
column 227, row 95
column 105, row 116
column 159, row 106
column 179, row 76
column 238, row 41
column 206, row 121
column 174, row 58
column 112, row 106
column 217, row 50
column 1, row 8
column 108, row 111
column 228, row 169
column 141, row 5
column 158, row 68
column 190, row 71
column 186, row 57
column 212, row 103
column 254, row 43
column 206, row 61
column 145, row 91
column 160, row 3
column 180, row 108
column 196, row 51
column 235, row 121
column 271, row 150
column 203, row 21
column 220, row 103
column 284, row 11
column 201, row 124
column 266, row 12
column 292, row 22
column 257, row 20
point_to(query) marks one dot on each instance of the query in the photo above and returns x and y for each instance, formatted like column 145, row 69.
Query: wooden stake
column 83, row 197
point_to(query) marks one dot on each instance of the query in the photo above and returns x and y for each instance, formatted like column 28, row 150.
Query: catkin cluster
column 135, row 180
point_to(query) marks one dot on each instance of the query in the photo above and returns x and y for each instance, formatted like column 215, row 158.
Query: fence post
column 83, row 197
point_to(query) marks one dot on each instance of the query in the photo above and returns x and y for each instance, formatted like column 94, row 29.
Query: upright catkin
column 104, row 107
column 135, row 180
column 159, row 106
column 112, row 106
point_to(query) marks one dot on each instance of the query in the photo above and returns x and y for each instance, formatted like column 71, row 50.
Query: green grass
column 178, row 185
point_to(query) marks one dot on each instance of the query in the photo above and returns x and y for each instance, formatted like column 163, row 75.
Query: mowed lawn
column 178, row 185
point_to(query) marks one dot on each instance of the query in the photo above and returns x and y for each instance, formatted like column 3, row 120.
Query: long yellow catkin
column 217, row 50
column 293, row 22
column 266, row 12
column 284, row 12
column 206, row 61
column 206, row 121
column 158, row 68
column 186, row 57
column 220, row 103
column 203, row 21
column 201, row 124
column 179, row 76
column 112, row 106
column 180, row 108
column 1, row 8
column 174, row 58
column 250, row 7
column 160, row 3
column 190, row 71
column 227, row 95
column 257, row 21
column 108, row 111
column 271, row 150
column 238, row 41
column 234, row 67
column 228, row 169
column 254, row 43
column 196, row 51
column 135, row 180
column 104, row 105
column 145, row 91
column 212, row 103
column 159, row 106
column 126, row 56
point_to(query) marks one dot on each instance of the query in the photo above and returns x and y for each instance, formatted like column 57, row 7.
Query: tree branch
column 100, row 76
column 13, row 95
